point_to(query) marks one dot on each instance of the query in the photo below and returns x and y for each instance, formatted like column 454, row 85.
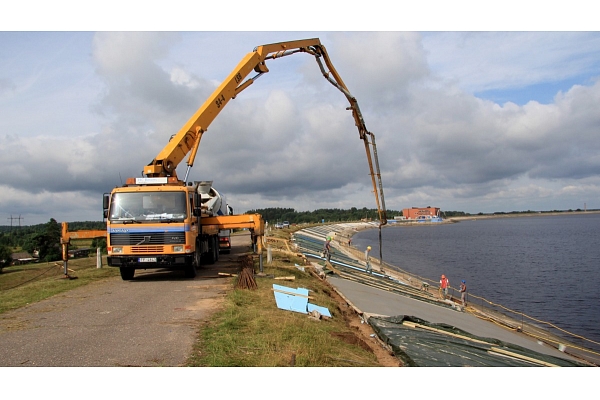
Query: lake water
column 547, row 267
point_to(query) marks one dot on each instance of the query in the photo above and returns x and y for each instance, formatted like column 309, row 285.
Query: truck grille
column 143, row 240
column 147, row 249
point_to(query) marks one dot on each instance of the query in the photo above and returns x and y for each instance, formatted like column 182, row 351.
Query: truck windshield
column 148, row 206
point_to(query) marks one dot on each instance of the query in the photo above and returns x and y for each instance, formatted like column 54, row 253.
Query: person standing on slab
column 444, row 283
column 463, row 293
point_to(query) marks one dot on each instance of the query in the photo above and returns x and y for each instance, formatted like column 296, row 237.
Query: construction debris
column 286, row 278
column 291, row 292
column 246, row 277
column 296, row 300
column 314, row 315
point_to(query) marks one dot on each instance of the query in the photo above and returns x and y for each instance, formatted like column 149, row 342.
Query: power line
column 19, row 218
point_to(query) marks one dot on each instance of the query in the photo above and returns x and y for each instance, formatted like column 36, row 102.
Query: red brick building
column 421, row 213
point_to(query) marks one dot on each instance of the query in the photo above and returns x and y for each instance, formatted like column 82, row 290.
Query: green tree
column 29, row 245
column 99, row 243
column 47, row 242
column 5, row 256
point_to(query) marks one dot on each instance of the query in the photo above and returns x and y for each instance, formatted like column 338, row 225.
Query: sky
column 473, row 117
column 476, row 106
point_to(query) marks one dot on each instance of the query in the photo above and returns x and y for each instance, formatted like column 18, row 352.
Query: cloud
column 480, row 61
column 39, row 207
column 378, row 67
column 288, row 139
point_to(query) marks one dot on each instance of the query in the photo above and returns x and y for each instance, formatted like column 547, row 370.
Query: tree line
column 274, row 215
column 277, row 214
column 41, row 238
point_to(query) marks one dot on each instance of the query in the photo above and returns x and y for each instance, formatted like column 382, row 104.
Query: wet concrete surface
column 371, row 300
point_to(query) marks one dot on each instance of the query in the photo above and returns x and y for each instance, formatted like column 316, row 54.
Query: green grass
column 25, row 284
column 249, row 331
column 252, row 332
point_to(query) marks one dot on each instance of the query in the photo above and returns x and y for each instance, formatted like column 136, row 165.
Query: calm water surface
column 547, row 267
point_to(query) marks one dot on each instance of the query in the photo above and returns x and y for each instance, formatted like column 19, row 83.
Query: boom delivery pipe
column 187, row 140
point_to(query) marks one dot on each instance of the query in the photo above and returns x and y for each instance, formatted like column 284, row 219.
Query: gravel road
column 150, row 321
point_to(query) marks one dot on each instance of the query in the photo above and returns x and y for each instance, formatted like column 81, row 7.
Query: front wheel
column 190, row 271
column 127, row 273
column 197, row 256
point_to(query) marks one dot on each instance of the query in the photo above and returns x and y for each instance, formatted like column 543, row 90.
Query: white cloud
column 479, row 61
column 289, row 141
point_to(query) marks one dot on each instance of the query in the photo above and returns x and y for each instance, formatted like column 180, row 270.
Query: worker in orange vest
column 444, row 283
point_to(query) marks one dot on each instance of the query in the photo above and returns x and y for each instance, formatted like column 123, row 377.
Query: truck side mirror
column 196, row 210
column 105, row 204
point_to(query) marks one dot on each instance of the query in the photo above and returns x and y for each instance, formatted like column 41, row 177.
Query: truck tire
column 127, row 273
column 197, row 256
column 217, row 248
column 190, row 271
column 211, row 258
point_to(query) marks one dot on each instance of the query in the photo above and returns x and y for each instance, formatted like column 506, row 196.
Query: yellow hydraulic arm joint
column 188, row 137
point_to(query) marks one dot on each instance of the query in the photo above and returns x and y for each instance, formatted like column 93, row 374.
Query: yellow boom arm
column 187, row 140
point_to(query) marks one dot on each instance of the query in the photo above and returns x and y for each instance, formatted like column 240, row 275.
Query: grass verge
column 251, row 331
column 25, row 284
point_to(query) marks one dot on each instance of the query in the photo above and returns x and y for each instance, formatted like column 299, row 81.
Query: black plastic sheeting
column 419, row 347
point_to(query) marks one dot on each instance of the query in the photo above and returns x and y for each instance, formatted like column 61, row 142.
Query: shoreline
column 521, row 215
column 342, row 232
column 451, row 220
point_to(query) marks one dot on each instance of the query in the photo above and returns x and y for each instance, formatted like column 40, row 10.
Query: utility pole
column 13, row 218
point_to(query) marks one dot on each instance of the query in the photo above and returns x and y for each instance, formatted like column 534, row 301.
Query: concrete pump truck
column 161, row 221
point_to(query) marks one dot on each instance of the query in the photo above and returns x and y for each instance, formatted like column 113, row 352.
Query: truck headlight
column 117, row 250
column 178, row 249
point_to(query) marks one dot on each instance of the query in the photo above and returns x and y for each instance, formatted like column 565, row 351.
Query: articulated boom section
column 253, row 222
column 142, row 232
column 187, row 140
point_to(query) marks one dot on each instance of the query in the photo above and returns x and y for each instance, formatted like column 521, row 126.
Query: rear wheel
column 211, row 256
column 197, row 256
column 216, row 248
column 127, row 273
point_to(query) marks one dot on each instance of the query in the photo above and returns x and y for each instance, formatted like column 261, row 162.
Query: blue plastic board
column 289, row 301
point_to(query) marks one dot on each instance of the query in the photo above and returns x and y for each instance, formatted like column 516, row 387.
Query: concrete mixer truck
column 161, row 221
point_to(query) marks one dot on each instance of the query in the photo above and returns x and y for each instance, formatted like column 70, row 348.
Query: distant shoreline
column 451, row 220
column 518, row 215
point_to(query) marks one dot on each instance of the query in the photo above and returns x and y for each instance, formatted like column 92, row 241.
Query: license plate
column 147, row 259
